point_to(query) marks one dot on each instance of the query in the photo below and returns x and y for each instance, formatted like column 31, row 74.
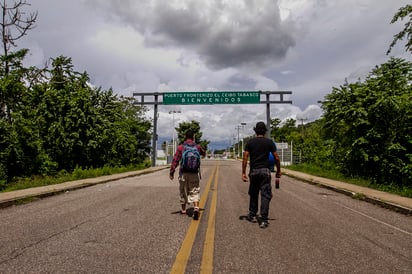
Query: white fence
column 287, row 155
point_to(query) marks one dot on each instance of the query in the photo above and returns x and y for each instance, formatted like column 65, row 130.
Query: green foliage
column 407, row 31
column 63, row 176
column 61, row 123
column 195, row 127
column 307, row 139
column 282, row 133
column 365, row 132
column 12, row 88
column 370, row 124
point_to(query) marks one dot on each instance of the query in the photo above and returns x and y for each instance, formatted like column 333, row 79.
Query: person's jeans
column 260, row 181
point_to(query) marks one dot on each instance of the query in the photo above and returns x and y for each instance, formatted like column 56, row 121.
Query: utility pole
column 301, row 123
column 173, row 129
column 234, row 147
column 238, row 127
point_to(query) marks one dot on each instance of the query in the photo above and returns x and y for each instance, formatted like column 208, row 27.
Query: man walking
column 188, row 155
column 258, row 149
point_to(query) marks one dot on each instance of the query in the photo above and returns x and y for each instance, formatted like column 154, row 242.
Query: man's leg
column 183, row 194
column 253, row 197
column 266, row 196
column 194, row 193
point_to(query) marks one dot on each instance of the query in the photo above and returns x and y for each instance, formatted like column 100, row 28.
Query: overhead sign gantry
column 208, row 98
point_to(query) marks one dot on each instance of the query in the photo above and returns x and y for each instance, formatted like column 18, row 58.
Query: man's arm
column 244, row 165
column 175, row 161
column 277, row 163
column 201, row 150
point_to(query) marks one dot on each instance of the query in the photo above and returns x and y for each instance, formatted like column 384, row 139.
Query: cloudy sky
column 303, row 46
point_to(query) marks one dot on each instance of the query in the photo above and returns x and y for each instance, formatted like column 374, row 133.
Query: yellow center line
column 182, row 256
column 208, row 247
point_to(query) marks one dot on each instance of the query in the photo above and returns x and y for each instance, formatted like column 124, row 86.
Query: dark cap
column 260, row 126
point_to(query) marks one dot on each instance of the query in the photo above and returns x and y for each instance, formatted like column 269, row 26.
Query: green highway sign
column 211, row 98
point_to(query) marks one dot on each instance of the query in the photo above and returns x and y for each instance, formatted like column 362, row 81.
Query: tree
column 407, row 31
column 275, row 128
column 13, row 26
column 87, row 127
column 282, row 133
column 62, row 123
column 195, row 127
column 370, row 124
column 12, row 86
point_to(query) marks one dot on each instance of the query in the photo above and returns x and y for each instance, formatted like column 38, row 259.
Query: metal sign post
column 208, row 98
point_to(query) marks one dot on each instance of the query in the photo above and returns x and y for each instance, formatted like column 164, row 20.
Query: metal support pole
column 243, row 137
column 239, row 150
column 154, row 140
column 234, row 147
column 268, row 115
column 173, row 129
column 238, row 144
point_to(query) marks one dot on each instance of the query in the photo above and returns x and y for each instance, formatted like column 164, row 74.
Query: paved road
column 132, row 226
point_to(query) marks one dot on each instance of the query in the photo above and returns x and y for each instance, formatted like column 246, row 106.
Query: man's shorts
column 189, row 188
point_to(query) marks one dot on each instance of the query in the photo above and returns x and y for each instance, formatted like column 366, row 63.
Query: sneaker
column 183, row 212
column 196, row 214
column 251, row 218
column 263, row 224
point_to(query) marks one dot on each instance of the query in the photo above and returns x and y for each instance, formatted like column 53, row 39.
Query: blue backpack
column 190, row 158
column 272, row 161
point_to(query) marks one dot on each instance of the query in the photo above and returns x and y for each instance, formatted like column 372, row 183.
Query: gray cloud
column 305, row 46
column 222, row 33
column 240, row 81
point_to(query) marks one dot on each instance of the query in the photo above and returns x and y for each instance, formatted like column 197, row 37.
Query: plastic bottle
column 277, row 181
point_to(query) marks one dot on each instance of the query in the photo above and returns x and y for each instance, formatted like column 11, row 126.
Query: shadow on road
column 189, row 212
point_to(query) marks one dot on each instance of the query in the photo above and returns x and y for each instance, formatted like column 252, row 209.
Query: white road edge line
column 377, row 220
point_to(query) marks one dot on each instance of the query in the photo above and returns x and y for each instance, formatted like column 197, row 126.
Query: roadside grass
column 335, row 175
column 64, row 176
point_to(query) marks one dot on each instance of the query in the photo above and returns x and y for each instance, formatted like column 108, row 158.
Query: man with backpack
column 188, row 155
column 258, row 149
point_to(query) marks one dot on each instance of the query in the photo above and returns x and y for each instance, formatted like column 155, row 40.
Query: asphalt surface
column 388, row 200
column 130, row 223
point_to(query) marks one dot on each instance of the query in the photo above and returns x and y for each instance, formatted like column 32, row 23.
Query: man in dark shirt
column 258, row 148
